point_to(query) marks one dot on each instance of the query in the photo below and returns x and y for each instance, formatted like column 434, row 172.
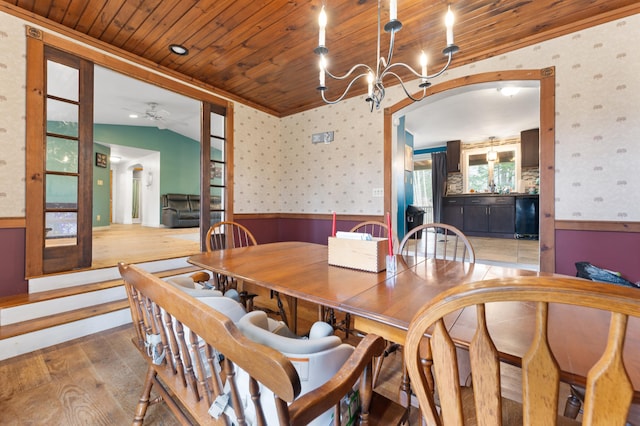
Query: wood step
column 48, row 321
column 24, row 299
column 42, row 323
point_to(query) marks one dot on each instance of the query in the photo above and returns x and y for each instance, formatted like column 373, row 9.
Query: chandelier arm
column 403, row 65
column 406, row 92
column 414, row 72
column 444, row 68
column 392, row 38
column 355, row 67
column 345, row 90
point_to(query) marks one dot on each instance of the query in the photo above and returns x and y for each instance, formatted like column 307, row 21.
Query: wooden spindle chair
column 437, row 241
column 199, row 362
column 609, row 391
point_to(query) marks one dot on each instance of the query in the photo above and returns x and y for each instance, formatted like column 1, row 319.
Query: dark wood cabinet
column 452, row 211
column 502, row 219
column 476, row 217
column 530, row 147
column 481, row 215
column 453, row 156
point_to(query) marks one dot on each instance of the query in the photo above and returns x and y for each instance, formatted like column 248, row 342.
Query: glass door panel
column 68, row 148
column 217, row 167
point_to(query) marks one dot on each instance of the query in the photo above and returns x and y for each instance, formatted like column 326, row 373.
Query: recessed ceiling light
column 133, row 115
column 178, row 49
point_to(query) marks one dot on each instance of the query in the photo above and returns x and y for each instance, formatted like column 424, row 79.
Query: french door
column 59, row 166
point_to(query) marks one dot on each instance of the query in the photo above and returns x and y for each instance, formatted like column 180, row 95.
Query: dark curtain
column 438, row 182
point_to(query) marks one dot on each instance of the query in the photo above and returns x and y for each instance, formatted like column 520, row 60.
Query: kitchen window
column 481, row 175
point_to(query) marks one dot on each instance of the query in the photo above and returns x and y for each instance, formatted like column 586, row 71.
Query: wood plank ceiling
column 262, row 51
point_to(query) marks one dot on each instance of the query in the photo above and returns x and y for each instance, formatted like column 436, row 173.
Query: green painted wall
column 179, row 162
column 101, row 177
column 179, row 155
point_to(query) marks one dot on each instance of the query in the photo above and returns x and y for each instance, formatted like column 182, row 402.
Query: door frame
column 546, row 77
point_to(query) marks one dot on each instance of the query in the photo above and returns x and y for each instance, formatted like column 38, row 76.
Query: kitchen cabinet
column 502, row 218
column 452, row 211
column 530, row 148
column 476, row 218
column 481, row 215
column 453, row 156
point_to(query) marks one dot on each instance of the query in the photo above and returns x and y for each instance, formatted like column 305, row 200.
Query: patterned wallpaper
column 278, row 169
column 257, row 170
column 12, row 116
column 597, row 132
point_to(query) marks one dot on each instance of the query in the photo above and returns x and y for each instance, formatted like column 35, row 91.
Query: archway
column 546, row 77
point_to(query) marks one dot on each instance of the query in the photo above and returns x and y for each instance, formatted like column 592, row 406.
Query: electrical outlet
column 324, row 137
column 97, row 218
column 378, row 192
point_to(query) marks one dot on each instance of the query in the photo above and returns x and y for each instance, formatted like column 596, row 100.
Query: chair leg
column 143, row 402
column 573, row 404
column 377, row 365
column 283, row 313
column 247, row 300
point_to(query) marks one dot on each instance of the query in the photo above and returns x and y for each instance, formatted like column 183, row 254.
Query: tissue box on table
column 358, row 254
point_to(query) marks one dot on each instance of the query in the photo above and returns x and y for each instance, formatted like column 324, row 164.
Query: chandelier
column 383, row 67
column 492, row 156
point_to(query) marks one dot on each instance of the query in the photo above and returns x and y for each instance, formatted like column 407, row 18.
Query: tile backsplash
column 455, row 182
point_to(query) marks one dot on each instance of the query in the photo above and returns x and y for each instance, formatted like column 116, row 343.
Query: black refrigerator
column 527, row 217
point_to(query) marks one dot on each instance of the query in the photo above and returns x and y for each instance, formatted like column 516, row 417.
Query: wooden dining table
column 385, row 305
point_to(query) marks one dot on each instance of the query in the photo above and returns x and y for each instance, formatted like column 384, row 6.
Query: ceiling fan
column 154, row 114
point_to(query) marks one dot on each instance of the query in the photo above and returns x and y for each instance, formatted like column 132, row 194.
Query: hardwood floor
column 97, row 380
column 519, row 253
column 136, row 243
column 94, row 380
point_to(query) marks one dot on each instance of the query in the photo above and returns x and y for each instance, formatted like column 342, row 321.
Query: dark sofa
column 183, row 210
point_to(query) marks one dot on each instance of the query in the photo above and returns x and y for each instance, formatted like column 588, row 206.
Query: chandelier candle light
column 384, row 67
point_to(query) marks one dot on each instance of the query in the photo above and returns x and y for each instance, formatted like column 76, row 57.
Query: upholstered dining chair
column 228, row 234
column 549, row 305
column 437, row 241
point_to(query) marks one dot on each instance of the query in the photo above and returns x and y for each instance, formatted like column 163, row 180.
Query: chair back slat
column 200, row 373
column 485, row 367
column 608, row 391
column 541, row 375
column 172, row 349
column 443, row 348
column 437, row 241
column 608, row 383
column 227, row 234
column 375, row 228
column 223, row 235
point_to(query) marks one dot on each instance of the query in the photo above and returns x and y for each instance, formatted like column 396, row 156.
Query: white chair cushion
column 255, row 326
column 187, row 285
